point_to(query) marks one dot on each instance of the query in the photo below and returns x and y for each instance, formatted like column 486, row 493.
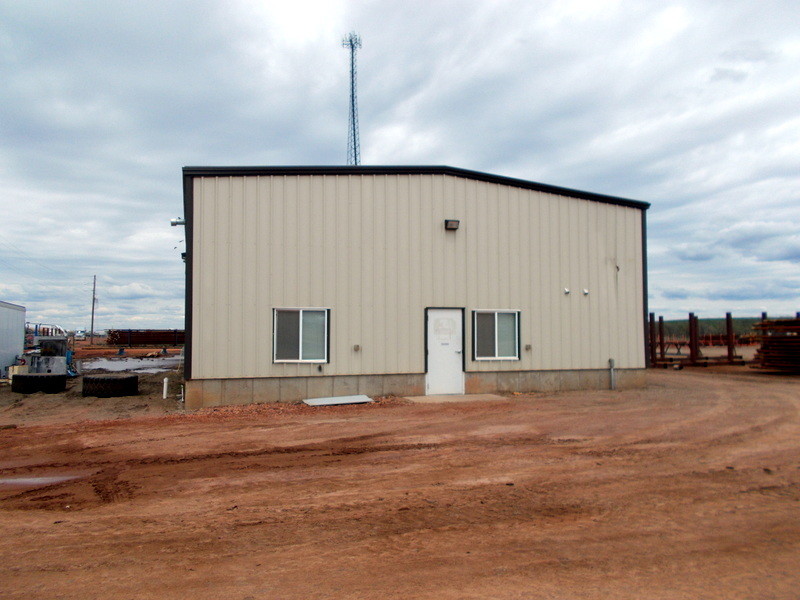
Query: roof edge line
column 216, row 171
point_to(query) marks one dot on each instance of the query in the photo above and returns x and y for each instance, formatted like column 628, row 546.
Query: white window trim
column 275, row 310
column 515, row 312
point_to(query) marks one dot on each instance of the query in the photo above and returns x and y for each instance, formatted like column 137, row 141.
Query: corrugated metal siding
column 12, row 334
column 373, row 249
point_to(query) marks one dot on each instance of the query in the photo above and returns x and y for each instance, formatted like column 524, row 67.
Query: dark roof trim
column 12, row 306
column 411, row 170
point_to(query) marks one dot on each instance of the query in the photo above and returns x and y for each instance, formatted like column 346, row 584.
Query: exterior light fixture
column 566, row 291
column 451, row 224
column 585, row 292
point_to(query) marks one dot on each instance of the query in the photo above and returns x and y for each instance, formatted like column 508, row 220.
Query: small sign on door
column 444, row 329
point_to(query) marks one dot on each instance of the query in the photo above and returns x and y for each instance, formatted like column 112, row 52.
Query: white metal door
column 445, row 340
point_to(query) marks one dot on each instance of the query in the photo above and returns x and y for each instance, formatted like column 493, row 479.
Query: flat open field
column 688, row 489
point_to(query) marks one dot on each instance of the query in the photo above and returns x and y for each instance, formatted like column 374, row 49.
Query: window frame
column 300, row 310
column 495, row 312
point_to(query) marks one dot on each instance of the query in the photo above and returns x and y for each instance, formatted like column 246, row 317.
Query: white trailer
column 12, row 335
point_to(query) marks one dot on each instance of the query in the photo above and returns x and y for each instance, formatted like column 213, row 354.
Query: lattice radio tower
column 353, row 42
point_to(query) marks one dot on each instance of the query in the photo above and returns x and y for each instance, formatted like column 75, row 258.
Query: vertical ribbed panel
column 373, row 249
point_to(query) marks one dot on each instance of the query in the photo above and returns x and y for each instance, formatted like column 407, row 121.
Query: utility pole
column 353, row 42
column 94, row 301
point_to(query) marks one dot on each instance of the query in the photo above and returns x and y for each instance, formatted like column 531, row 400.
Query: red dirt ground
column 688, row 489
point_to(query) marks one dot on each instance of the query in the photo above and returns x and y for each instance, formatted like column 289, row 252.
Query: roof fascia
column 412, row 170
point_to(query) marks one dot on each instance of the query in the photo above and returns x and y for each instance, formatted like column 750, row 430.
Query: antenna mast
column 353, row 42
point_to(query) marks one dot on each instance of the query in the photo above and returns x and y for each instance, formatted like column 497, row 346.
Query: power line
column 26, row 256
column 24, row 272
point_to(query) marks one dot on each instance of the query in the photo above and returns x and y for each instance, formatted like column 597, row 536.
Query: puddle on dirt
column 32, row 482
column 137, row 365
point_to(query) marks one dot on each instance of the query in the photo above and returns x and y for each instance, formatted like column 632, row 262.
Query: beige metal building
column 321, row 281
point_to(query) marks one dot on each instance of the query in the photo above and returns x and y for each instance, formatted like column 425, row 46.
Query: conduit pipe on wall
column 612, row 374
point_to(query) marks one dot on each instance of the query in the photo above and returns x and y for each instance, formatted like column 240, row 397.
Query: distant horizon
column 671, row 320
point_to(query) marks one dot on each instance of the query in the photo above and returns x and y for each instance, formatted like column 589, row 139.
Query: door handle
column 458, row 351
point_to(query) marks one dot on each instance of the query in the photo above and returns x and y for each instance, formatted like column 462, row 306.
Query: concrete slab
column 320, row 387
column 455, row 398
column 267, row 390
column 210, row 394
column 370, row 385
column 237, row 391
column 346, row 385
column 332, row 401
column 294, row 389
column 480, row 383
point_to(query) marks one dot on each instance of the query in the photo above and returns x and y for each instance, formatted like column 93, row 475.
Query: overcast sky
column 692, row 106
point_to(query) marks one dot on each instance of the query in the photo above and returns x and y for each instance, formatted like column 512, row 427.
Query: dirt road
column 689, row 489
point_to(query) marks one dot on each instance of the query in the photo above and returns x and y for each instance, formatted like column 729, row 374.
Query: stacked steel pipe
column 145, row 337
column 780, row 345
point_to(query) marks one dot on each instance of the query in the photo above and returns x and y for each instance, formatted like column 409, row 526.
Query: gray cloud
column 677, row 294
column 747, row 291
column 749, row 51
column 726, row 74
column 694, row 252
column 689, row 106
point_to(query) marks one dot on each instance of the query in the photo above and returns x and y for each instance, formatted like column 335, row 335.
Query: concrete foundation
column 552, row 381
column 216, row 392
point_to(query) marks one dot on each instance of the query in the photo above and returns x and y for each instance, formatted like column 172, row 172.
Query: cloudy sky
column 691, row 105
